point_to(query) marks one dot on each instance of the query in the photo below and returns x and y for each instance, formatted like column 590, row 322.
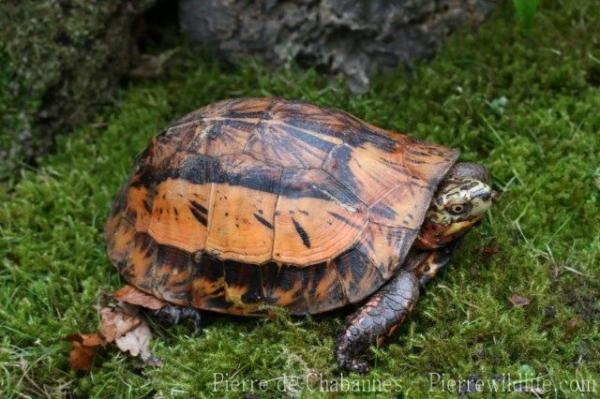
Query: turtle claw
column 195, row 316
column 173, row 315
column 348, row 352
column 357, row 365
column 167, row 315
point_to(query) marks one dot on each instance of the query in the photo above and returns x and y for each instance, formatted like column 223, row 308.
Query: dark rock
column 60, row 59
column 347, row 36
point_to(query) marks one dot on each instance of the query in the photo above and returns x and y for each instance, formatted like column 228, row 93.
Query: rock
column 352, row 37
column 59, row 60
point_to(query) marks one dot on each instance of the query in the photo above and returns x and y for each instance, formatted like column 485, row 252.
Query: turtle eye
column 457, row 209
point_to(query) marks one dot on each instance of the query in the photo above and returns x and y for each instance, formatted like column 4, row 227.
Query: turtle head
column 460, row 202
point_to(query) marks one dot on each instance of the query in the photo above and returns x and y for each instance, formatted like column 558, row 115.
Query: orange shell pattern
column 258, row 202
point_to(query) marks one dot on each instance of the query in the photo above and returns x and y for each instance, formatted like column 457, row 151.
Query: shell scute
column 316, row 218
column 241, row 224
column 179, row 214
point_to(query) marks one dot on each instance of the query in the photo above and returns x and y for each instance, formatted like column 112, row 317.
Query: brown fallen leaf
column 574, row 324
column 136, row 342
column 519, row 301
column 489, row 251
column 81, row 357
column 116, row 322
column 133, row 296
column 83, row 349
column 90, row 340
column 121, row 325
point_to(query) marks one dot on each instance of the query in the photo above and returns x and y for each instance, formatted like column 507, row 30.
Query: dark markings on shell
column 200, row 215
column 172, row 256
column 207, row 267
column 315, row 183
column 302, row 233
column 199, row 207
column 312, row 276
column 358, row 275
column 344, row 220
column 220, row 129
column 131, row 215
column 310, row 139
column 379, row 141
column 338, row 166
column 334, row 123
column 248, row 115
column 244, row 278
column 120, row 201
column 170, row 278
column 217, row 302
column 202, row 169
column 147, row 206
column 322, row 290
column 143, row 272
column 278, row 279
column 383, row 211
column 145, row 242
column 263, row 221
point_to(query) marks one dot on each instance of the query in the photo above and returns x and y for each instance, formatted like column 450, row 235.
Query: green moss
column 16, row 107
column 541, row 145
column 66, row 58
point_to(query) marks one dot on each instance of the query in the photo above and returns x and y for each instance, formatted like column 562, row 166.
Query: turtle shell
column 266, row 201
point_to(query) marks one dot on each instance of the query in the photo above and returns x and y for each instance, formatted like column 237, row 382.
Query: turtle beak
column 434, row 235
column 458, row 228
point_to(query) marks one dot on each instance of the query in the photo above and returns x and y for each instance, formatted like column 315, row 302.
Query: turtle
column 252, row 204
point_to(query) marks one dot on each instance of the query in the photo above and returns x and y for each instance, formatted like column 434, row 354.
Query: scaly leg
column 380, row 316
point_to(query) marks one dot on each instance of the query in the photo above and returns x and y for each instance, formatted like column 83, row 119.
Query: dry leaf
column 519, row 301
column 127, row 329
column 83, row 349
column 81, row 356
column 121, row 325
column 574, row 324
column 136, row 342
column 90, row 340
column 489, row 251
column 132, row 295
column 117, row 322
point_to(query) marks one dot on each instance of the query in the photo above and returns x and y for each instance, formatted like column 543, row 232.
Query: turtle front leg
column 427, row 264
column 376, row 319
column 380, row 316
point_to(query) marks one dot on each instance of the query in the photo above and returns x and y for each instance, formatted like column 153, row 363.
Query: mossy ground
column 58, row 61
column 526, row 106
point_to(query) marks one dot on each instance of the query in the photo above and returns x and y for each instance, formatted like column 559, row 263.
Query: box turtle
column 252, row 203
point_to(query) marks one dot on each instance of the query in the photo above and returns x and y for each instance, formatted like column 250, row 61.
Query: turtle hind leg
column 173, row 315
